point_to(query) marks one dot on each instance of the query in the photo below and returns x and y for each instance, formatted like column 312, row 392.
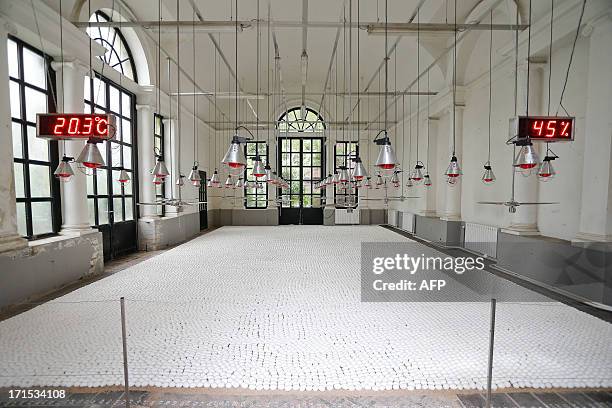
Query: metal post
column 491, row 343
column 125, row 359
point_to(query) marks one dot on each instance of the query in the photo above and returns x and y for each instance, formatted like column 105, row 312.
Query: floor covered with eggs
column 279, row 308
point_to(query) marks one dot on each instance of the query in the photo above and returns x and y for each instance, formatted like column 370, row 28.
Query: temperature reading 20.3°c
column 75, row 126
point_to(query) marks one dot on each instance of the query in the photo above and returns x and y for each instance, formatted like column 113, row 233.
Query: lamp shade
column 160, row 170
column 90, row 156
column 343, row 176
column 359, row 171
column 546, row 170
column 527, row 157
column 488, row 177
column 386, row 157
column 453, row 170
column 214, row 180
column 229, row 182
column 234, row 157
column 64, row 170
column 258, row 168
column 124, row 177
column 426, row 180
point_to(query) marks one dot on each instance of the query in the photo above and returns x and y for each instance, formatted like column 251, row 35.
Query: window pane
column 114, row 98
column 101, row 181
column 34, row 69
column 15, row 100
column 128, row 209
column 295, row 145
column 87, row 89
column 13, row 59
column 126, row 130
column 102, row 211
column 117, row 208
column 39, row 181
column 36, row 102
column 90, row 185
column 127, row 157
column 19, row 182
column 99, row 92
column 306, row 145
column 316, row 145
column 115, row 154
column 295, row 159
column 38, row 149
column 116, row 184
column 21, row 219
column 92, row 210
column 17, row 144
column 42, row 222
column 316, row 159
column 306, row 160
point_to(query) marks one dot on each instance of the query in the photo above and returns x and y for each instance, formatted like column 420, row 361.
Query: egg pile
column 278, row 308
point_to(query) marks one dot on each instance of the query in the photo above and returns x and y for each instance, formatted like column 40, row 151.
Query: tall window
column 118, row 54
column 37, row 191
column 301, row 164
column 158, row 137
column 343, row 152
column 301, row 120
column 105, row 194
column 255, row 197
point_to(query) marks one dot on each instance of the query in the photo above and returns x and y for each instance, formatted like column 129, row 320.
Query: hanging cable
column 455, row 82
column 490, row 84
column 571, row 59
column 528, row 60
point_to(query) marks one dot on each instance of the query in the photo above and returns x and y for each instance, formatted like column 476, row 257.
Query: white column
column 428, row 200
column 9, row 238
column 75, row 214
column 525, row 220
column 596, row 208
column 452, row 210
column 146, row 155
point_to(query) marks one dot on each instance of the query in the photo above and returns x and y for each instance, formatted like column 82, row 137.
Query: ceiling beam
column 211, row 26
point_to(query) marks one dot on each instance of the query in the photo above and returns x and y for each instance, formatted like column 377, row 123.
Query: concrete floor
column 231, row 399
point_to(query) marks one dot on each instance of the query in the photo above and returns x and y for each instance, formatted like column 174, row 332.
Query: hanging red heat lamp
column 64, row 170
column 343, row 176
column 368, row 183
column 387, row 160
column 90, row 156
column 453, row 170
column 417, row 173
column 546, row 171
column 488, row 177
column 124, row 177
column 395, row 181
column 527, row 157
column 426, row 180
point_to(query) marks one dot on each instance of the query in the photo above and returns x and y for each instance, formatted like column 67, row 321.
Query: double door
column 301, row 161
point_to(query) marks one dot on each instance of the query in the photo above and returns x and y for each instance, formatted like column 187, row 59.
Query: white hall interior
column 307, row 81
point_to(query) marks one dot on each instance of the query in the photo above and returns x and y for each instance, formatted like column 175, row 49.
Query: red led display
column 546, row 128
column 75, row 126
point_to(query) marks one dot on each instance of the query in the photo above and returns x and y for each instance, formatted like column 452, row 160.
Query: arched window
column 292, row 121
column 118, row 54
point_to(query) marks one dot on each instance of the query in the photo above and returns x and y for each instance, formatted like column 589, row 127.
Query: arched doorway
column 301, row 161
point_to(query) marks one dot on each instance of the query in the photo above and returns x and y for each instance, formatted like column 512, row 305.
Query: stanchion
column 491, row 343
column 125, row 359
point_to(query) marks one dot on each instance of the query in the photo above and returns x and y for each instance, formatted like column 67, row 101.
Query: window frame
column 249, row 157
column 290, row 124
column 343, row 192
column 161, row 209
column 301, row 182
column 54, row 197
column 102, row 41
column 107, row 154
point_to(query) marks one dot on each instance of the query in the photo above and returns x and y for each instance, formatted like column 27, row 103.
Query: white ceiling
column 320, row 43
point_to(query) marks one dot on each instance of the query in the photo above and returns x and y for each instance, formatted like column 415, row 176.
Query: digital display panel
column 545, row 128
column 75, row 126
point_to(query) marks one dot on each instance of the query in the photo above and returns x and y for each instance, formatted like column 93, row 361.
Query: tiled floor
column 229, row 399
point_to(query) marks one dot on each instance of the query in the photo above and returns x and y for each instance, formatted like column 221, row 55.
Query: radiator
column 407, row 222
column 343, row 217
column 392, row 217
column 481, row 238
